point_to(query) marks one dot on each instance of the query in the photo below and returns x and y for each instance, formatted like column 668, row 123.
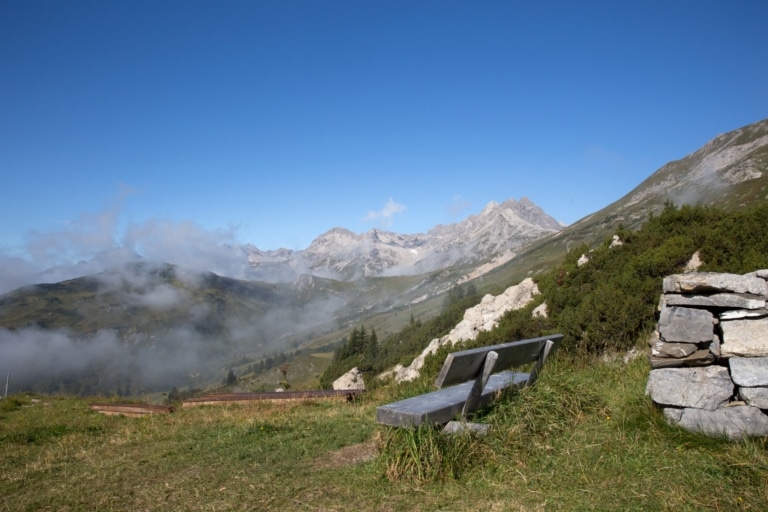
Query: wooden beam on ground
column 272, row 396
column 131, row 409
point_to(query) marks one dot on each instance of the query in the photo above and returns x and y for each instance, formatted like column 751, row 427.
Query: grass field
column 584, row 438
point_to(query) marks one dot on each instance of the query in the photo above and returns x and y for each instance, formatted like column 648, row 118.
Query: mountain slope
column 730, row 172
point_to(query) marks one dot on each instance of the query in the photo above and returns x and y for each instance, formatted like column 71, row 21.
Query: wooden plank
column 465, row 365
column 271, row 396
column 444, row 405
column 130, row 409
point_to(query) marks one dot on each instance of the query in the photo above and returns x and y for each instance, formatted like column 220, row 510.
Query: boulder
column 716, row 300
column 745, row 337
column 686, row 325
column 353, row 379
column 733, row 422
column 749, row 371
column 756, row 397
column 698, row 282
column 703, row 388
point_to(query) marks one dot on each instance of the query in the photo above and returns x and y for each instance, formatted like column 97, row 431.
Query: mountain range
column 498, row 230
column 133, row 316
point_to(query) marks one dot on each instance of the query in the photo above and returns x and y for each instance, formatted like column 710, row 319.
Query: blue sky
column 271, row 122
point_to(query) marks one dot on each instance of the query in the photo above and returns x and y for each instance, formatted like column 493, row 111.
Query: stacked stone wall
column 709, row 353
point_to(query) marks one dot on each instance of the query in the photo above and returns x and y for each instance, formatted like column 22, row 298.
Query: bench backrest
column 465, row 365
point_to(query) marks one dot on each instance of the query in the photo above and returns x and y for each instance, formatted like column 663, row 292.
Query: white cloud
column 385, row 215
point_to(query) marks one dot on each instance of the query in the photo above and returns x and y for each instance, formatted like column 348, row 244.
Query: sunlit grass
column 584, row 438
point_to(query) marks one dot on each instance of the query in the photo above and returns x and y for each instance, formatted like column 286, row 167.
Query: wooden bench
column 469, row 380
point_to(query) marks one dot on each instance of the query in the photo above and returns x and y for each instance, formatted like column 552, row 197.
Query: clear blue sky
column 270, row 122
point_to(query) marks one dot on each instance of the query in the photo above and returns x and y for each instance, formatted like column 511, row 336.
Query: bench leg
column 543, row 355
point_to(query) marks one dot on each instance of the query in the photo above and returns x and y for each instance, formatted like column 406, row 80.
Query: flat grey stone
column 716, row 300
column 732, row 422
column 699, row 282
column 756, row 397
column 708, row 387
column 749, row 371
column 745, row 337
column 686, row 325
column 702, row 357
column 737, row 314
column 676, row 350
column 762, row 274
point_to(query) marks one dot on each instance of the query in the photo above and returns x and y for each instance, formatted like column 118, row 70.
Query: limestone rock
column 701, row 357
column 762, row 274
column 353, row 379
column 703, row 388
column 745, row 337
column 698, row 282
column 749, row 371
column 733, row 422
column 582, row 260
column 676, row 350
column 736, row 314
column 756, row 397
column 694, row 263
column 482, row 317
column 716, row 300
column 540, row 311
column 686, row 325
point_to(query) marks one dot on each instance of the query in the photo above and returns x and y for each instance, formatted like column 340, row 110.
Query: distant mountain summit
column 342, row 254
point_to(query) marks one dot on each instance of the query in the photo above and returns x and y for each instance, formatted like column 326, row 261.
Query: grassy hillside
column 584, row 438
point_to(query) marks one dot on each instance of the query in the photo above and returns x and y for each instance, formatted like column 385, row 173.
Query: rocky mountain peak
column 343, row 254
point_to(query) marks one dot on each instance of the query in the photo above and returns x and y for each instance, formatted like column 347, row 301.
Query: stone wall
column 709, row 354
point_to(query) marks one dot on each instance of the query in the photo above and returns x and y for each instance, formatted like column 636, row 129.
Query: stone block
column 675, row 350
column 745, row 337
column 733, row 422
column 703, row 388
column 716, row 300
column 756, row 397
column 749, row 371
column 686, row 325
column 702, row 357
column 737, row 314
column 708, row 282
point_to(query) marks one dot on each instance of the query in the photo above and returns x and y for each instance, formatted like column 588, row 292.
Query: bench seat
column 444, row 405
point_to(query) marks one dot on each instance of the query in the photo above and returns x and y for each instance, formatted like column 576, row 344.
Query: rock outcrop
column 709, row 355
column 353, row 379
column 482, row 317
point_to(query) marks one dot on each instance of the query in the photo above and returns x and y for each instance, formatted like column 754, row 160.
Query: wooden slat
column 465, row 365
column 444, row 405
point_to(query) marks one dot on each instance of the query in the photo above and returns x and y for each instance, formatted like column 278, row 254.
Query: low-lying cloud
column 176, row 355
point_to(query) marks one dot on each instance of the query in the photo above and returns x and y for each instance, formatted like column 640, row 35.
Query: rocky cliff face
column 343, row 254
